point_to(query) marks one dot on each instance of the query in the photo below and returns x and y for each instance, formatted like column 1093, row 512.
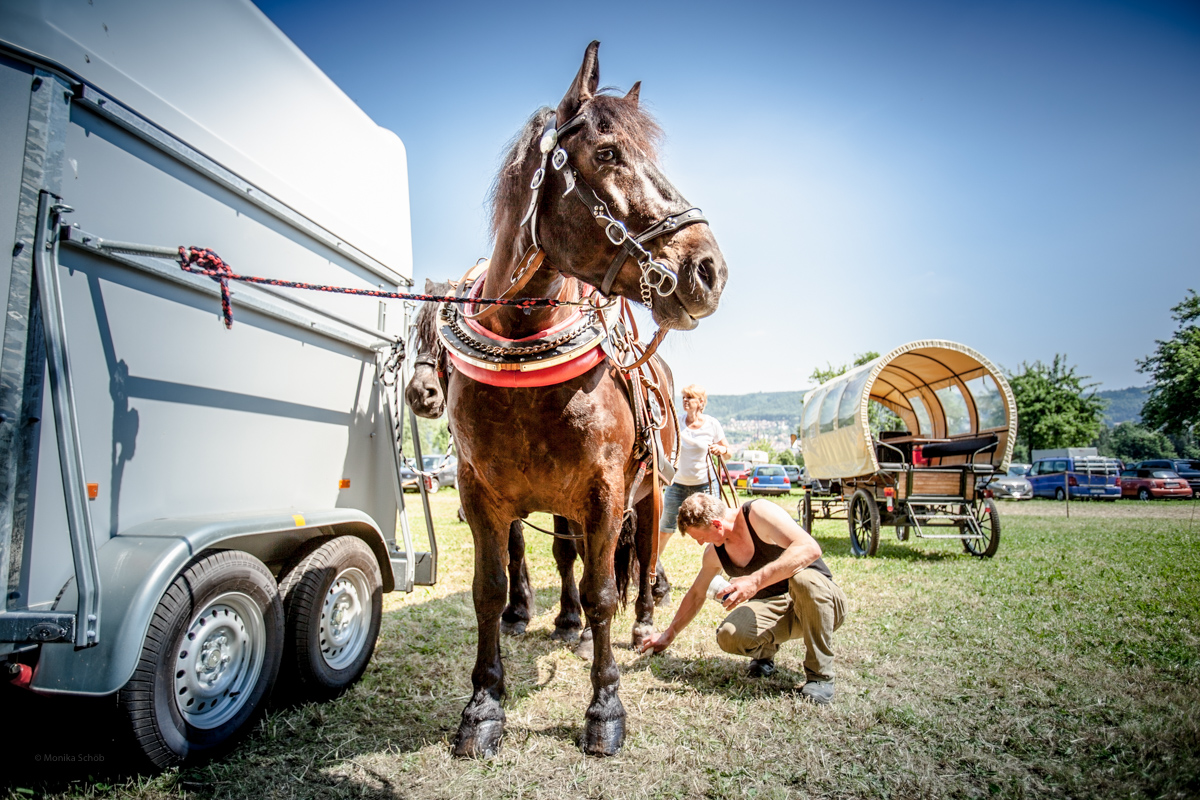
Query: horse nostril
column 706, row 271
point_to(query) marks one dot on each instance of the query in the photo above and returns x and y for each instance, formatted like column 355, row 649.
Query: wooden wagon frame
column 961, row 424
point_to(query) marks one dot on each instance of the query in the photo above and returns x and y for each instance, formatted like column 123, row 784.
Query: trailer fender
column 137, row 566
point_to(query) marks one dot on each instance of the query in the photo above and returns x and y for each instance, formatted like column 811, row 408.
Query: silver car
column 441, row 470
column 1010, row 486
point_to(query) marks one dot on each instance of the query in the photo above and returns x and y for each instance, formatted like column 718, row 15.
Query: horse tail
column 625, row 560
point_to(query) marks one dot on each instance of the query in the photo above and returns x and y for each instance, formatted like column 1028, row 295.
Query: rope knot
column 202, row 261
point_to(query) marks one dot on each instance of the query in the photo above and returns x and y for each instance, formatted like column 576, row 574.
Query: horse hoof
column 513, row 628
column 662, row 598
column 640, row 634
column 603, row 737
column 586, row 649
column 568, row 635
column 478, row 741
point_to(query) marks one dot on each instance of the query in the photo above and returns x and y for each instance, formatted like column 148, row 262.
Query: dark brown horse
column 425, row 394
column 568, row 448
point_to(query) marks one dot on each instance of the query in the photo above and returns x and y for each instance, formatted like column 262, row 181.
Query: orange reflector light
column 93, row 491
column 889, row 492
column 344, row 483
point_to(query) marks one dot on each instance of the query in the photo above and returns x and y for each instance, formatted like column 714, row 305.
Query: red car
column 1146, row 483
column 737, row 470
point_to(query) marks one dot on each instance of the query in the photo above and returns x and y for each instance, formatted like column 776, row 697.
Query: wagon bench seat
column 960, row 447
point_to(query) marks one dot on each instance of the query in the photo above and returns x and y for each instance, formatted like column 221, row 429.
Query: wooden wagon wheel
column 989, row 523
column 863, row 516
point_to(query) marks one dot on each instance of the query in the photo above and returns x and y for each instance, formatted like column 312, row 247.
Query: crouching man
column 780, row 588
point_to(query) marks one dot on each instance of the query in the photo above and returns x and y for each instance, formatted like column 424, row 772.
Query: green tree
column 1054, row 406
column 1129, row 441
column 435, row 436
column 1174, row 402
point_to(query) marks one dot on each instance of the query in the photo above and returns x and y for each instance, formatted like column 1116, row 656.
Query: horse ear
column 430, row 286
column 634, row 93
column 583, row 88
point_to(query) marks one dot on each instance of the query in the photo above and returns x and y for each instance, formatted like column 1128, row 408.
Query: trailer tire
column 433, row 485
column 989, row 523
column 216, row 637
column 333, row 604
column 863, row 516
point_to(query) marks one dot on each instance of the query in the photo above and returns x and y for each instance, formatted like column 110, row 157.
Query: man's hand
column 658, row 642
column 741, row 590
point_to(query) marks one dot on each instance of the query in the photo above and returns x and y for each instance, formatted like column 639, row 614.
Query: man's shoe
column 820, row 692
column 761, row 668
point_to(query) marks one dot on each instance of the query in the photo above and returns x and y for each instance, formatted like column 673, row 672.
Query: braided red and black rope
column 202, row 261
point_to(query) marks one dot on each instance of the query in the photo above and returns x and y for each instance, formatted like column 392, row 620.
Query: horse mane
column 425, row 323
column 611, row 114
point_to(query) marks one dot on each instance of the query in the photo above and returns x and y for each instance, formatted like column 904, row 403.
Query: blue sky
column 1022, row 177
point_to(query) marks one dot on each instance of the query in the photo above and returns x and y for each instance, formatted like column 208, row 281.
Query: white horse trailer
column 188, row 513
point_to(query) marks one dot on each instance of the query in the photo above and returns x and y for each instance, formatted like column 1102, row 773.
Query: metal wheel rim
column 219, row 660
column 345, row 618
column 1143, row 495
column 984, row 517
column 858, row 512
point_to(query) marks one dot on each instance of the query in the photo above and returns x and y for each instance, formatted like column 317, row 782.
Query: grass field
column 1067, row 666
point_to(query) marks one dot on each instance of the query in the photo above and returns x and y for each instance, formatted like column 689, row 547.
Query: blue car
column 1079, row 477
column 768, row 479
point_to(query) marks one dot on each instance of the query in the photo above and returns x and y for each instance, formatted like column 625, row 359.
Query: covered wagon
column 910, row 440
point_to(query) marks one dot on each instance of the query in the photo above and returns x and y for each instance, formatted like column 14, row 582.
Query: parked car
column 768, row 479
column 1144, row 484
column 737, row 471
column 1187, row 468
column 444, row 471
column 795, row 475
column 1092, row 477
column 1012, row 485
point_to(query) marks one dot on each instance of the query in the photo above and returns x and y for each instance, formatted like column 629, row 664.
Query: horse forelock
column 610, row 114
column 425, row 323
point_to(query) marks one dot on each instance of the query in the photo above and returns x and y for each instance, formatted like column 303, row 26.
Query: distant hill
column 1124, row 405
column 777, row 406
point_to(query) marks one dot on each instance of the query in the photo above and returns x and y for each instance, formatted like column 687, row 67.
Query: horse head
column 425, row 392
column 601, row 208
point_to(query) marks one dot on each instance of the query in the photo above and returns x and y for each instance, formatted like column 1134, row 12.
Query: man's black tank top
column 764, row 553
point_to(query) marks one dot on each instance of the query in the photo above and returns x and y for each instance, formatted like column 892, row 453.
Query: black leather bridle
column 656, row 275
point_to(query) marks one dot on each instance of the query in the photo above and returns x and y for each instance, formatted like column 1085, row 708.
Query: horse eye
column 606, row 155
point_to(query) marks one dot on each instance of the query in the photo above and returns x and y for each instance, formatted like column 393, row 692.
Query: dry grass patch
column 1067, row 666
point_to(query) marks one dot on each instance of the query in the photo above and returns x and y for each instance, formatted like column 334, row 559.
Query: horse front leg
column 604, row 724
column 483, row 718
column 568, row 622
column 643, row 624
column 519, row 611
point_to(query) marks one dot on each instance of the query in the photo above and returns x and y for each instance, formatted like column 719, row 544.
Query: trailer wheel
column 989, row 523
column 209, row 659
column 432, row 485
column 333, row 601
column 864, row 523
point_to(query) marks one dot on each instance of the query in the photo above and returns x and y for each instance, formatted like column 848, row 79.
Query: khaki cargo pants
column 813, row 608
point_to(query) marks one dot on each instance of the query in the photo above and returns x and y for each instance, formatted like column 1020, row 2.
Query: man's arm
column 690, row 605
column 772, row 524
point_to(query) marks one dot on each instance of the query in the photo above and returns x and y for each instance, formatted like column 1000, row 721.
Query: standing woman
column 700, row 436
